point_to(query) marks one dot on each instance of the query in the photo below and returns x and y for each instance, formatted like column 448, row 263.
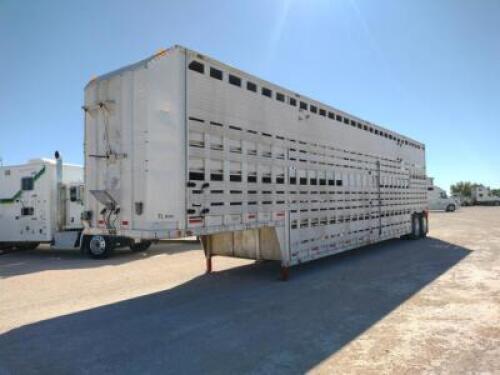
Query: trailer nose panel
column 135, row 149
column 104, row 147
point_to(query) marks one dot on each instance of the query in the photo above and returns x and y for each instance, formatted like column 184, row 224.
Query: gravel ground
column 427, row 306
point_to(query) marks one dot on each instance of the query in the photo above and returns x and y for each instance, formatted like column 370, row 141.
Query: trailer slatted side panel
column 248, row 166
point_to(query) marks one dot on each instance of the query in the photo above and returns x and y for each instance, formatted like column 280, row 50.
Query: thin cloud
column 278, row 28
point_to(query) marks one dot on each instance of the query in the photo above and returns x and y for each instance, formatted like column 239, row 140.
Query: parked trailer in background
column 40, row 202
column 482, row 195
column 180, row 144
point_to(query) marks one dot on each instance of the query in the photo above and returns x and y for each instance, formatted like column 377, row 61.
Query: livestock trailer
column 180, row 144
column 41, row 202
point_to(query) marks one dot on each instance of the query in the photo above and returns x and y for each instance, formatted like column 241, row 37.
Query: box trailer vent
column 27, row 211
column 139, row 208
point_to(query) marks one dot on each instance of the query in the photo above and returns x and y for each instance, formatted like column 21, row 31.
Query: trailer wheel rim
column 97, row 245
column 424, row 225
column 416, row 223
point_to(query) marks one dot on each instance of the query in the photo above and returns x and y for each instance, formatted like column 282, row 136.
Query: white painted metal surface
column 438, row 199
column 482, row 195
column 180, row 144
column 28, row 196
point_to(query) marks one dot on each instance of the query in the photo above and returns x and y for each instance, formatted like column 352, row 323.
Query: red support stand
column 209, row 264
column 284, row 273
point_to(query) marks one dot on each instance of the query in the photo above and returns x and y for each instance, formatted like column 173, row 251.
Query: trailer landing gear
column 209, row 264
column 284, row 274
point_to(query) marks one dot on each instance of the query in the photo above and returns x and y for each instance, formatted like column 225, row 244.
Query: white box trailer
column 40, row 202
column 481, row 195
column 180, row 144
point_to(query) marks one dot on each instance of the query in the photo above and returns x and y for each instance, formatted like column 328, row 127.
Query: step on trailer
column 180, row 144
column 41, row 202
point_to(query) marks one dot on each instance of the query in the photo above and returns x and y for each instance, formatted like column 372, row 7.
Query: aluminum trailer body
column 36, row 207
column 180, row 144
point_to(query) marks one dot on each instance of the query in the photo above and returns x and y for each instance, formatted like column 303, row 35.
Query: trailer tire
column 415, row 227
column 98, row 247
column 141, row 246
column 450, row 208
column 424, row 225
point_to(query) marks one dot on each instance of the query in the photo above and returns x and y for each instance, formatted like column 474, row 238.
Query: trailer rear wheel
column 98, row 247
column 141, row 246
column 424, row 225
column 416, row 227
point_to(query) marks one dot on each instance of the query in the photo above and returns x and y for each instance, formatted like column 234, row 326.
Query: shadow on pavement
column 44, row 258
column 235, row 321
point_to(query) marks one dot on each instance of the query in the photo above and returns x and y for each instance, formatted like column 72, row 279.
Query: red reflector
column 195, row 220
column 124, row 222
column 251, row 216
column 101, row 221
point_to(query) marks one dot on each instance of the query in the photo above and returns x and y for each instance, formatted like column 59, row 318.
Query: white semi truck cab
column 41, row 202
column 482, row 195
column 438, row 199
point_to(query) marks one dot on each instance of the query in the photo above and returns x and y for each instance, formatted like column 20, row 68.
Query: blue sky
column 427, row 69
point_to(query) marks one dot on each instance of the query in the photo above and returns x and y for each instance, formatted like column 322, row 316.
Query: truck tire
column 415, row 227
column 424, row 225
column 98, row 247
column 141, row 246
column 450, row 208
column 27, row 246
column 6, row 246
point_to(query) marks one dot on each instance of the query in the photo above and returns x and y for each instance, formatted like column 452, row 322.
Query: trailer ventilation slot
column 27, row 211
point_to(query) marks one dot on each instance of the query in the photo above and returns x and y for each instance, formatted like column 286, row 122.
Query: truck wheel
column 141, row 246
column 98, row 247
column 6, row 246
column 424, row 225
column 415, row 225
column 450, row 208
column 27, row 246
